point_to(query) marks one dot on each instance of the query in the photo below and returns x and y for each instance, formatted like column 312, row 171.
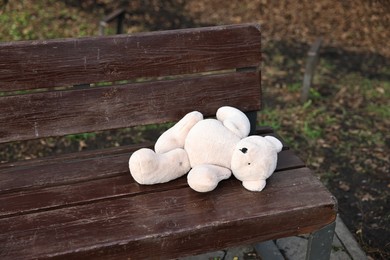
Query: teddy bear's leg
column 254, row 185
column 205, row 177
column 175, row 136
column 148, row 167
column 234, row 120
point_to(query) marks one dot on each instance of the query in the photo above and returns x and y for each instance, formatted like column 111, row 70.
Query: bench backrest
column 67, row 86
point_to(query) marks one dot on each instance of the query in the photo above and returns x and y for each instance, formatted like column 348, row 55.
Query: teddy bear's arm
column 175, row 136
column 234, row 120
column 148, row 167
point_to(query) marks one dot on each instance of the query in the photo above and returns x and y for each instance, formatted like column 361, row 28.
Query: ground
column 341, row 131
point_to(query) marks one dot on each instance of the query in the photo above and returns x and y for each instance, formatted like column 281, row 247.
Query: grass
column 43, row 19
column 82, row 136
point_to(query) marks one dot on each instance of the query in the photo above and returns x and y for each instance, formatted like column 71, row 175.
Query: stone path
column 345, row 247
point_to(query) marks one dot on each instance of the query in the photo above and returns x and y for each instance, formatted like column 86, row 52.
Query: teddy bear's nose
column 243, row 150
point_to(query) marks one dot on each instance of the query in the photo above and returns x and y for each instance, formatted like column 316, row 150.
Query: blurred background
column 341, row 129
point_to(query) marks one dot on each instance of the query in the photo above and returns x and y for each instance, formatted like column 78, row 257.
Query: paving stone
column 293, row 248
column 337, row 243
column 340, row 254
column 338, row 250
column 348, row 241
column 268, row 250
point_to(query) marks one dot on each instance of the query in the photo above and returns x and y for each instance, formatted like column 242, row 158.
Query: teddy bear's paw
column 205, row 178
column 254, row 185
column 142, row 164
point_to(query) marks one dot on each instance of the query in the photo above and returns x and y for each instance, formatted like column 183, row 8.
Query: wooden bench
column 86, row 205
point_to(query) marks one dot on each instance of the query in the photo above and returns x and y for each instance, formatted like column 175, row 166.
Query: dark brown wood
column 63, row 173
column 59, row 113
column 65, row 62
column 133, row 225
column 62, row 188
column 89, row 165
column 79, row 156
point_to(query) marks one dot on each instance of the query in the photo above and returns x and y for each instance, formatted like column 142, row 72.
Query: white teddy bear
column 211, row 150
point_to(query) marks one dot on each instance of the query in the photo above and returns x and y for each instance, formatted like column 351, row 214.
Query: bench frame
column 86, row 204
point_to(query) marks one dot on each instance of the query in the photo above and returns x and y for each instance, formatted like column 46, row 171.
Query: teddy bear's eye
column 249, row 163
column 243, row 150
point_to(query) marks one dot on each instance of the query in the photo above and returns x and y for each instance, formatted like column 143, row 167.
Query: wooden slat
column 62, row 169
column 51, row 63
column 66, row 112
column 67, row 172
column 54, row 191
column 166, row 223
column 87, row 154
column 288, row 160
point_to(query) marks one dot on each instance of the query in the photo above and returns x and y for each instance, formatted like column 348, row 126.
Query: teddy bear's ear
column 276, row 143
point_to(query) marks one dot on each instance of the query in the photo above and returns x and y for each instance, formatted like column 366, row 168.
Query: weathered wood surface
column 61, row 169
column 58, row 179
column 129, row 220
column 62, row 187
column 64, row 62
column 59, row 113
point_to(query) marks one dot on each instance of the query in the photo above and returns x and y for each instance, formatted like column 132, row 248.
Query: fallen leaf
column 344, row 186
column 82, row 145
column 367, row 197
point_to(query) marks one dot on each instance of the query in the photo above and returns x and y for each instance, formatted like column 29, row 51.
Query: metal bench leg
column 320, row 243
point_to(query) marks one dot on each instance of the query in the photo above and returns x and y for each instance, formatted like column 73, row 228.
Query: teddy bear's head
column 255, row 157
